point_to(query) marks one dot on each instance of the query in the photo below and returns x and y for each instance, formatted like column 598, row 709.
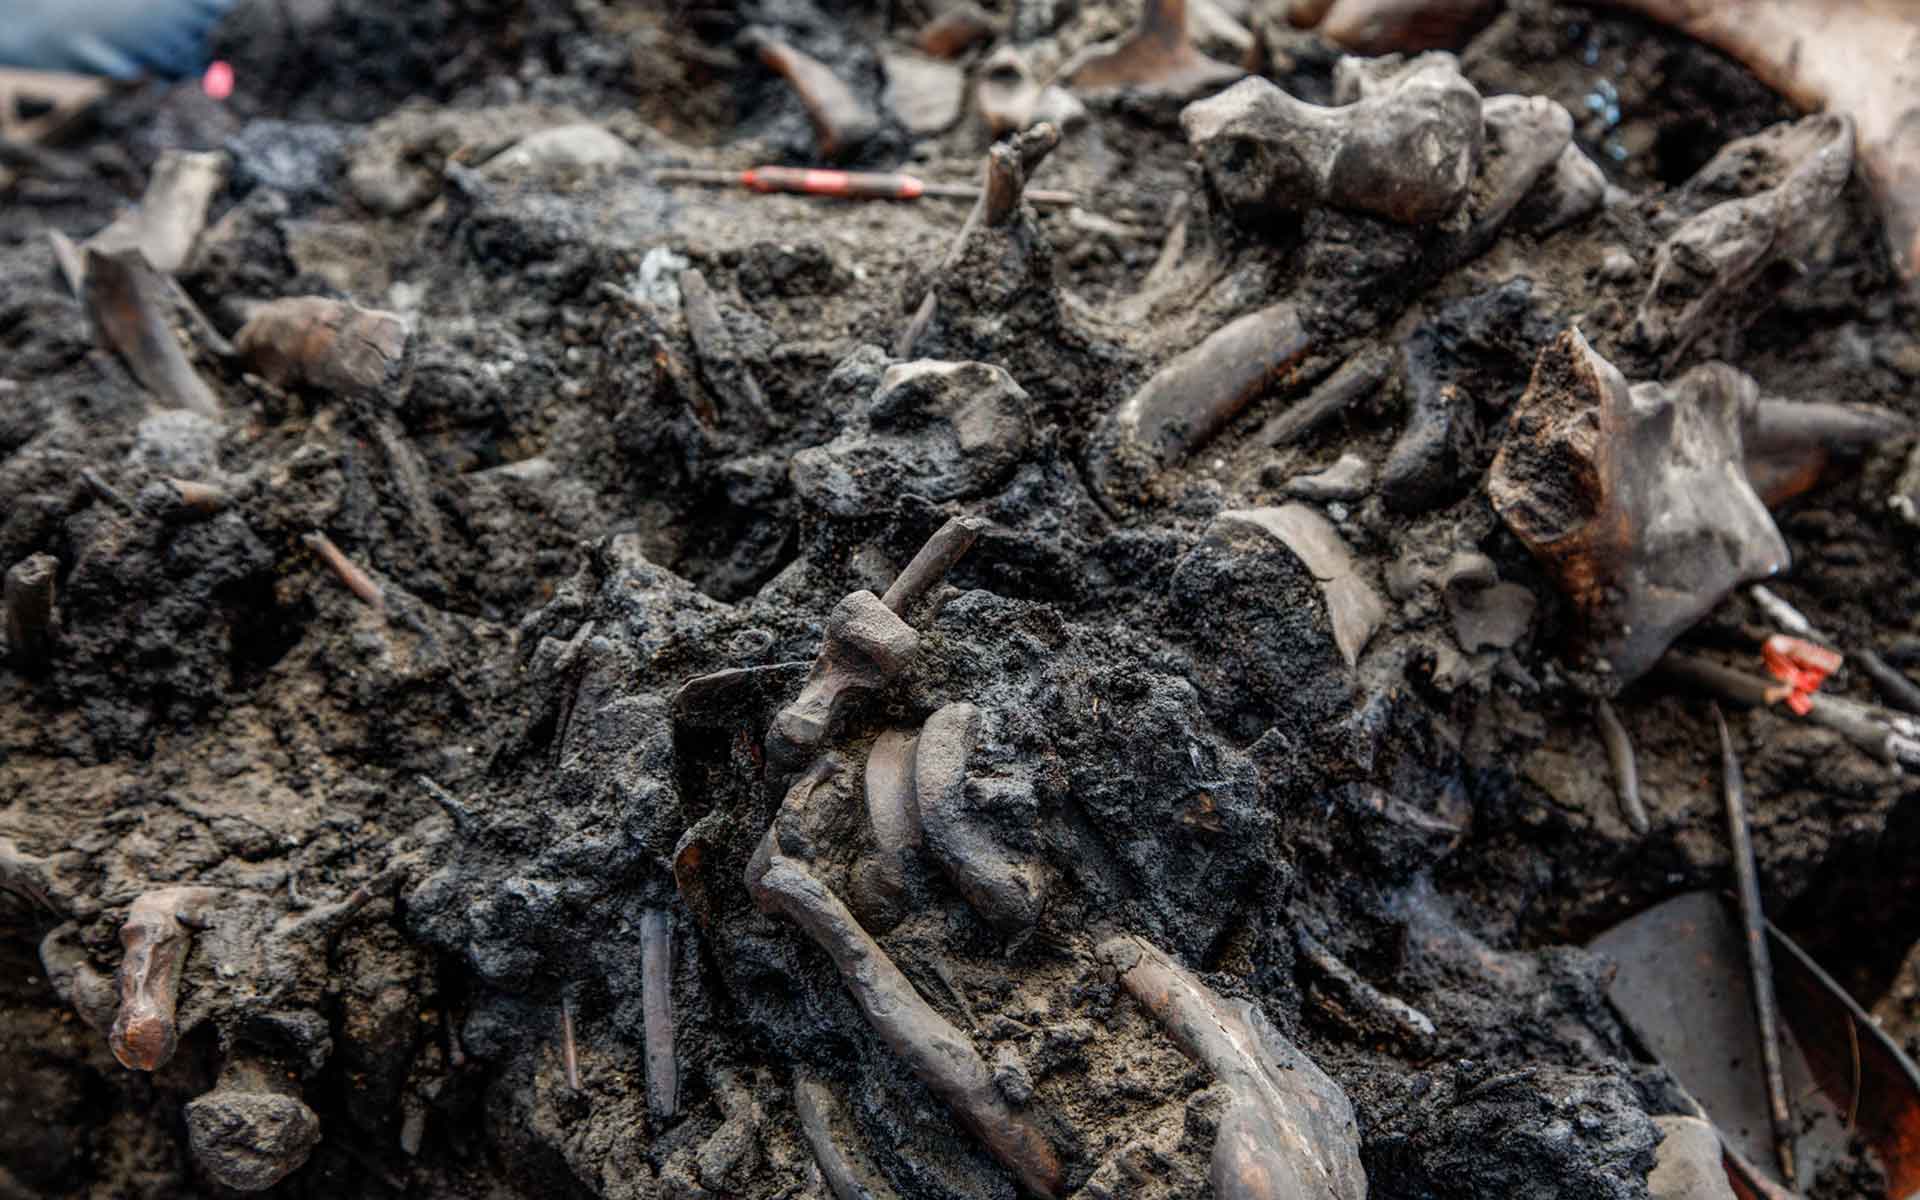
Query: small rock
column 1687, row 1163
column 926, row 93
column 1011, row 1076
column 1347, row 479
column 1618, row 266
column 562, row 148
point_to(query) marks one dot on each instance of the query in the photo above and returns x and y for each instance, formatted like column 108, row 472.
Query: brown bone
column 1159, row 55
column 841, row 121
column 866, row 647
column 155, row 938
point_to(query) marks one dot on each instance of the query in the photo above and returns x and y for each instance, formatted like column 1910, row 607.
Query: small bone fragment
column 67, row 257
column 1717, row 258
column 841, row 121
column 358, row 581
column 1358, row 378
column 1789, row 442
column 1386, row 26
column 1191, row 399
column 1353, row 607
column 156, row 938
column 955, row 31
column 1009, row 893
column 27, row 877
column 27, row 596
column 1009, row 165
column 253, row 1129
column 892, row 809
column 1487, row 614
column 937, row 555
column 1007, row 92
column 569, row 1050
column 1289, row 1131
column 1866, row 727
column 311, row 341
column 1349, row 478
column 201, row 499
column 1573, row 190
column 866, row 646
column 1526, row 136
column 167, row 223
column 732, row 381
column 1636, row 500
column 1626, row 771
column 1407, row 153
column 656, row 984
column 129, row 304
column 1378, row 1011
column 1159, row 56
column 848, row 1174
column 938, row 1054
column 72, row 974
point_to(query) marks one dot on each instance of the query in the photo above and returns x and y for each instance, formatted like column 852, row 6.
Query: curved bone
column 1407, row 153
column 938, row 1054
column 1158, row 55
column 1289, row 1131
column 1009, row 893
column 865, row 647
column 841, row 121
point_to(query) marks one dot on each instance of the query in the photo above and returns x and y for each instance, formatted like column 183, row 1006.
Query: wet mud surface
column 580, row 813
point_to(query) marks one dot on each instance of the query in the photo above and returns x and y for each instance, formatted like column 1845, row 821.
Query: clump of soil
column 472, row 835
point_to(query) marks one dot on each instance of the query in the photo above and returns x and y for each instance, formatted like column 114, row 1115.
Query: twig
column 358, row 581
column 1753, row 923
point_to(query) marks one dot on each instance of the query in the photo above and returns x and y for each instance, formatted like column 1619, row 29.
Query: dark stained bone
column 356, row 580
column 312, row 341
column 1626, row 770
column 866, row 647
column 128, row 302
column 1710, row 264
column 1009, row 165
column 1407, row 153
column 1574, row 189
column 955, row 31
column 1007, row 892
column 1159, row 56
column 166, row 224
column 156, row 938
column 1358, row 378
column 656, row 984
column 841, row 121
column 1289, row 1131
column 27, row 597
column 1636, row 500
column 1789, row 442
column 28, row 878
column 1354, row 609
column 732, row 381
column 1386, row 26
column 1366, row 1009
column 1526, row 136
column 849, row 1176
column 1007, row 92
column 1191, row 399
column 892, row 809
column 72, row 975
column 948, row 545
column 937, row 1053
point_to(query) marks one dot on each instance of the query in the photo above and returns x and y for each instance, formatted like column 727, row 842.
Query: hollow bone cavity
column 1635, row 499
column 1288, row 1130
column 1407, row 154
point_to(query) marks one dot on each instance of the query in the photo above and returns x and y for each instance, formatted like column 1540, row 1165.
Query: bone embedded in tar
column 842, row 122
column 866, row 646
column 1007, row 892
column 1635, row 499
column 656, row 984
column 1406, row 154
column 155, row 940
column 1525, row 139
column 253, row 1129
column 1353, row 606
column 1190, row 400
column 27, row 596
column 1159, row 56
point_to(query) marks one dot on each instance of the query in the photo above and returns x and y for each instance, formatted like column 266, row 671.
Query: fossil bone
column 155, row 938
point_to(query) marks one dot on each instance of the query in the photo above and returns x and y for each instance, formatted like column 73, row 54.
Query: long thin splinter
column 1626, row 771
column 569, row 1049
column 1753, row 923
column 656, row 987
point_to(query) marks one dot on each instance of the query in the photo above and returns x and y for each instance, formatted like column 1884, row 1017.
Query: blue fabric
column 119, row 38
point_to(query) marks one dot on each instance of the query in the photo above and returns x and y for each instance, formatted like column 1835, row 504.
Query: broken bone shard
column 1289, row 1130
column 311, row 341
column 848, row 1174
column 942, row 1057
column 1353, row 607
column 866, row 647
column 1007, row 892
column 842, row 123
column 1190, row 400
column 1007, row 94
column 155, row 938
column 1525, row 139
column 1789, row 442
column 943, row 430
column 1713, row 261
column 1407, row 154
column 167, row 223
column 27, row 597
column 893, row 812
column 1388, row 26
column 128, row 301
column 1573, row 190
column 1486, row 614
column 1158, row 56
column 253, row 1129
column 1635, row 500
column 656, row 985
column 730, row 378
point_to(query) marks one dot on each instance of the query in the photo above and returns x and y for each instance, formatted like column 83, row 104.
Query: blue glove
column 118, row 38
